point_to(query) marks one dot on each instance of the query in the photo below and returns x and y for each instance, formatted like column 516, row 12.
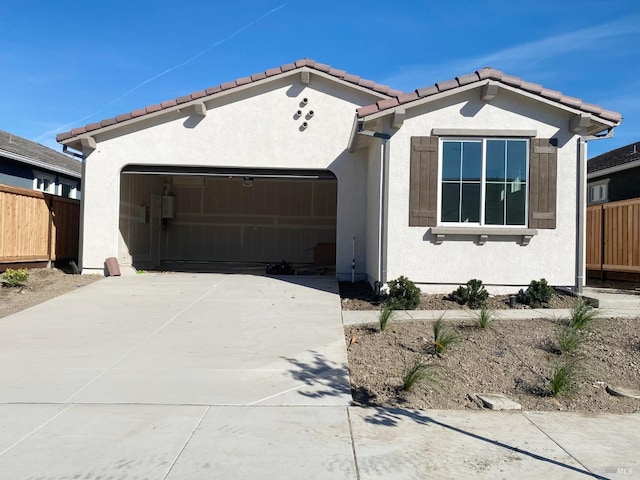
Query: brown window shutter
column 423, row 189
column 543, row 183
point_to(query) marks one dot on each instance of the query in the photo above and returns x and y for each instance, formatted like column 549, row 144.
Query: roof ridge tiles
column 489, row 73
column 397, row 97
column 287, row 67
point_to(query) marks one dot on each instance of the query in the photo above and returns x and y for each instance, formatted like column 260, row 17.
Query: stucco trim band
column 482, row 132
column 484, row 233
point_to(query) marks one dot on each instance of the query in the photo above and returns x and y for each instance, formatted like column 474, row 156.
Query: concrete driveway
column 206, row 376
column 174, row 339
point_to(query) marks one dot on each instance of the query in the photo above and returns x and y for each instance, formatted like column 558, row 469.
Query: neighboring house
column 614, row 175
column 27, row 164
column 451, row 182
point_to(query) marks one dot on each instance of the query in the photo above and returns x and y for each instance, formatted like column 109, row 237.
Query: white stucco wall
column 253, row 128
column 500, row 262
column 373, row 211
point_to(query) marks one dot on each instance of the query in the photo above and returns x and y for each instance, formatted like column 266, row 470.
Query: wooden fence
column 36, row 226
column 613, row 237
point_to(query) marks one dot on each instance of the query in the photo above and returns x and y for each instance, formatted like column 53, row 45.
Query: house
column 614, row 175
column 453, row 181
column 27, row 164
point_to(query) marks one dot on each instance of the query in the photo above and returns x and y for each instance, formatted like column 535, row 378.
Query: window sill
column 484, row 233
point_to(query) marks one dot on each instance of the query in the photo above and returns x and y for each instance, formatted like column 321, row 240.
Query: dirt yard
column 512, row 357
column 43, row 284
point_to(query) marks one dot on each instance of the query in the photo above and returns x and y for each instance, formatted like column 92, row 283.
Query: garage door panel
column 188, row 200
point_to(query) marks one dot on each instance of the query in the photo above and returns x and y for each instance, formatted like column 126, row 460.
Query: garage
column 217, row 219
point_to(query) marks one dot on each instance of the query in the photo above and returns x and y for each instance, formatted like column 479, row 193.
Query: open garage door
column 213, row 218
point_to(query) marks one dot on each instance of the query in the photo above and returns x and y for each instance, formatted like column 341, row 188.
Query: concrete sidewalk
column 176, row 442
column 610, row 304
column 194, row 376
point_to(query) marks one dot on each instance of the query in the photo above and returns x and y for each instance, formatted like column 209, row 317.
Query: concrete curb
column 356, row 317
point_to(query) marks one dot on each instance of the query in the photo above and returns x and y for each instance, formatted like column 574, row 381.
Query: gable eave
column 74, row 137
column 599, row 125
column 42, row 165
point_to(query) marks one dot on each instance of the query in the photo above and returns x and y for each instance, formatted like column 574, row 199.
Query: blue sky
column 68, row 63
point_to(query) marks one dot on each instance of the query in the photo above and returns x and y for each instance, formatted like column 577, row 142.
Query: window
column 68, row 188
column 44, row 182
column 599, row 191
column 483, row 182
column 492, row 183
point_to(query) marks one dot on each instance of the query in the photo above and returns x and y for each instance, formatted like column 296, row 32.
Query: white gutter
column 580, row 215
column 39, row 163
column 617, row 168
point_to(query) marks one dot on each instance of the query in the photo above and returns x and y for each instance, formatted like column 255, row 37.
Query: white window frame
column 483, row 183
column 592, row 186
column 44, row 176
column 70, row 183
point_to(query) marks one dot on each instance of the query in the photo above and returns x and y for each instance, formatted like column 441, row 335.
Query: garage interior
column 227, row 220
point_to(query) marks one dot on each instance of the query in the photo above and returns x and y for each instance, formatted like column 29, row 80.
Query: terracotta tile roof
column 40, row 155
column 619, row 156
column 490, row 74
column 305, row 62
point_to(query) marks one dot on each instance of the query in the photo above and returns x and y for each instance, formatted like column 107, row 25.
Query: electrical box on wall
column 168, row 206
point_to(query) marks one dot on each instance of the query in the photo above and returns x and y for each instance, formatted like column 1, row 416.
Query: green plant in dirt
column 403, row 294
column 537, row 294
column 472, row 294
column 484, row 317
column 443, row 336
column 582, row 314
column 15, row 278
column 417, row 372
column 385, row 316
column 564, row 377
column 569, row 339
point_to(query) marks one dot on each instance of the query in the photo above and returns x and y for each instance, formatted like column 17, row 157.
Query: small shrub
column 443, row 336
column 484, row 317
column 537, row 294
column 385, row 316
column 564, row 377
column 417, row 372
column 582, row 314
column 473, row 294
column 569, row 339
column 403, row 294
column 15, row 278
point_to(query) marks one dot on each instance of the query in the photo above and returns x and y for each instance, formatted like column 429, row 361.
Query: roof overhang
column 617, row 168
column 39, row 164
column 86, row 140
column 581, row 123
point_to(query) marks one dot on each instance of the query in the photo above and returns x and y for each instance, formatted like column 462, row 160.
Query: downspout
column 382, row 252
column 83, row 158
column 382, row 272
column 580, row 217
column 581, row 224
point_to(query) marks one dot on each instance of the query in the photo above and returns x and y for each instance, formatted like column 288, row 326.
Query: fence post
column 603, row 230
column 49, row 200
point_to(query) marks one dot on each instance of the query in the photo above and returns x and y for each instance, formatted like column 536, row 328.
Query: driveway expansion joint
column 524, row 414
